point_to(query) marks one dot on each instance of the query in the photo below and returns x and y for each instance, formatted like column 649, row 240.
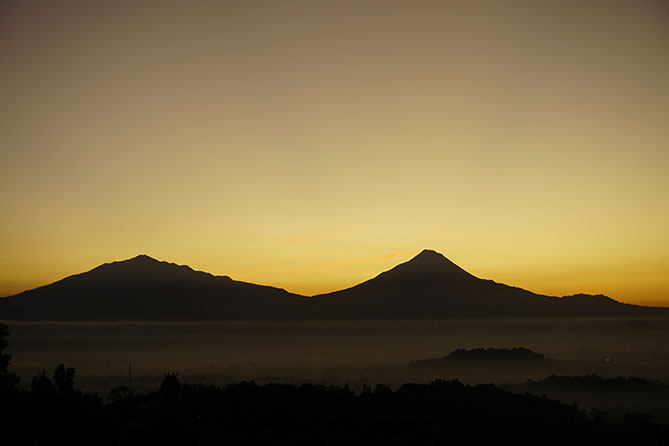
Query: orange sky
column 311, row 145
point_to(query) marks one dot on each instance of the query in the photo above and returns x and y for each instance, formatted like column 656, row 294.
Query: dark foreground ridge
column 427, row 286
column 441, row 412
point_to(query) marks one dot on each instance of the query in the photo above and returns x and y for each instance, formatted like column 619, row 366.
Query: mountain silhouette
column 430, row 285
column 143, row 288
column 427, row 286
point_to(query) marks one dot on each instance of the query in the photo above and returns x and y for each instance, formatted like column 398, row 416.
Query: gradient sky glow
column 311, row 145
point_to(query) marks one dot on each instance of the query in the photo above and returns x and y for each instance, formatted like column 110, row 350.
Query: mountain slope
column 430, row 285
column 427, row 286
column 143, row 288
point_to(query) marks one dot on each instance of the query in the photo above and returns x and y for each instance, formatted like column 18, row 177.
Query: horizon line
column 415, row 253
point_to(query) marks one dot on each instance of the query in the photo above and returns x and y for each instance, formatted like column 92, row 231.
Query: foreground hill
column 441, row 412
column 427, row 286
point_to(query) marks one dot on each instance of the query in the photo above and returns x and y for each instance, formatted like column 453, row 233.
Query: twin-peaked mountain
column 427, row 286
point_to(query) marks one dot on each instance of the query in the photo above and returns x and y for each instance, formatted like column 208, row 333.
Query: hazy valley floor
column 357, row 353
column 334, row 352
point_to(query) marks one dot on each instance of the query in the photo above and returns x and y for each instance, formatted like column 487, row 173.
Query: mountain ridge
column 427, row 286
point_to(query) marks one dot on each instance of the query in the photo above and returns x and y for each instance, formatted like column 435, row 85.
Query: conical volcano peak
column 142, row 258
column 432, row 262
column 429, row 257
column 430, row 254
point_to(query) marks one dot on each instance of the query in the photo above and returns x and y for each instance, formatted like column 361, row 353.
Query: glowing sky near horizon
column 311, row 145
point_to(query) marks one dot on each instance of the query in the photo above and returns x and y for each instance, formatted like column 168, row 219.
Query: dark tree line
column 53, row 411
column 8, row 381
column 595, row 382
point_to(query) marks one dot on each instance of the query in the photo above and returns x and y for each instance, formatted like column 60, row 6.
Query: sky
column 312, row 144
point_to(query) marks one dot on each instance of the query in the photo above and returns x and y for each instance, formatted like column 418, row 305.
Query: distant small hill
column 428, row 286
column 483, row 355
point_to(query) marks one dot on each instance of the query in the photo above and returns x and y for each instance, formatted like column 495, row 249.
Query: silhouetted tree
column 41, row 384
column 121, row 393
column 382, row 389
column 170, row 387
column 7, row 380
column 63, row 379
